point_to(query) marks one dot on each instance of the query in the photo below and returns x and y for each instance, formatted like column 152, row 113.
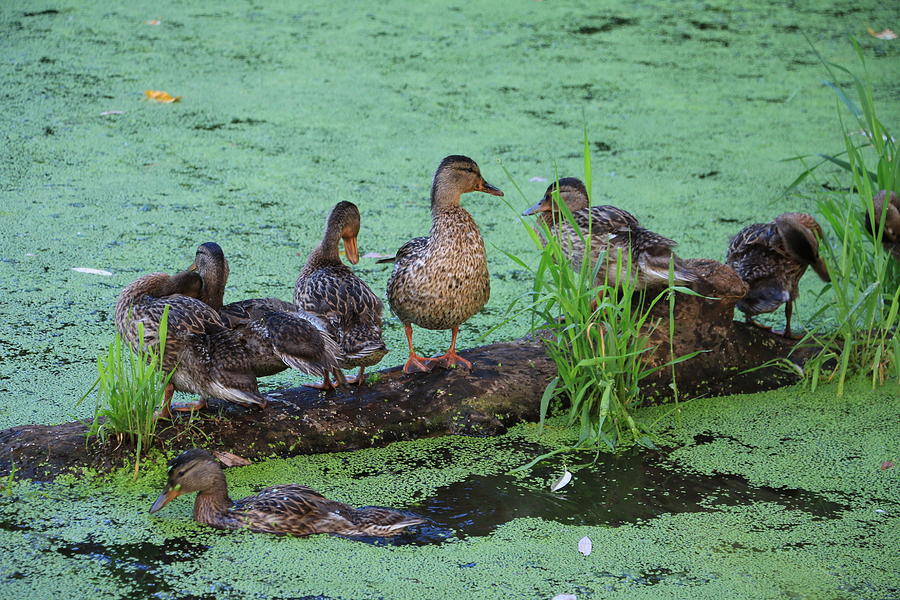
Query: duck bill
column 538, row 207
column 164, row 498
column 489, row 189
column 351, row 250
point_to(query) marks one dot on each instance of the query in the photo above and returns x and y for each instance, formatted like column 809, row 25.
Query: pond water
column 286, row 108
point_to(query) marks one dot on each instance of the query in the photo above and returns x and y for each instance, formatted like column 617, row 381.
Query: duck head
column 891, row 215
column 344, row 221
column 458, row 175
column 194, row 470
column 210, row 263
column 571, row 190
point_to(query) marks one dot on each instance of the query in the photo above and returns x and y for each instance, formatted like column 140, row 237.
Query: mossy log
column 504, row 387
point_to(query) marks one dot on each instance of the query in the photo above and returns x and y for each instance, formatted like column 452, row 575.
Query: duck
column 891, row 237
column 328, row 288
column 281, row 509
column 771, row 258
column 208, row 358
column 276, row 333
column 609, row 230
column 440, row 280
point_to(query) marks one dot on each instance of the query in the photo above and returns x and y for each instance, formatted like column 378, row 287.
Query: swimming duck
column 281, row 509
column 441, row 280
column 771, row 258
column 276, row 333
column 328, row 288
column 609, row 229
column 891, row 237
column 209, row 358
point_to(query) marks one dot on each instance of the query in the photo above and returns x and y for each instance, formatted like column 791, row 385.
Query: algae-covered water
column 778, row 496
column 287, row 108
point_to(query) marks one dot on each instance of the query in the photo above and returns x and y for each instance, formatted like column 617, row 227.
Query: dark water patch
column 40, row 13
column 610, row 24
column 616, row 490
column 135, row 565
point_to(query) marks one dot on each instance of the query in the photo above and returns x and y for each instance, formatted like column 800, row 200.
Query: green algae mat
column 286, row 108
column 782, row 495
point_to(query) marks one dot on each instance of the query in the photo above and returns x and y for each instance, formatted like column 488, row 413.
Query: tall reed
column 865, row 280
column 130, row 389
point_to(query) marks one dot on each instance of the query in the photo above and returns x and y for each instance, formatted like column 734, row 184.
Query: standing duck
column 441, row 280
column 209, row 358
column 771, row 258
column 891, row 237
column 328, row 288
column 276, row 333
column 609, row 230
column 282, row 509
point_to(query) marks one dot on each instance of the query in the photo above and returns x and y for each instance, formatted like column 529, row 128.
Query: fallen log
column 503, row 388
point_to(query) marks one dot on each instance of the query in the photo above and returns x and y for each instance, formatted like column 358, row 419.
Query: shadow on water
column 616, row 489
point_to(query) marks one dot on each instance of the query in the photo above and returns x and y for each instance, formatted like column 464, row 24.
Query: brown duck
column 209, row 358
column 891, row 237
column 771, row 258
column 610, row 230
column 281, row 509
column 441, row 280
column 276, row 333
column 328, row 288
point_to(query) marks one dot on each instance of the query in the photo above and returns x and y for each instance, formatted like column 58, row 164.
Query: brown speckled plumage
column 771, row 258
column 441, row 280
column 281, row 509
column 211, row 359
column 613, row 231
column 891, row 238
column 328, row 288
column 276, row 333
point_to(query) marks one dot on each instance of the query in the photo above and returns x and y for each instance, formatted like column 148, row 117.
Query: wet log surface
column 503, row 388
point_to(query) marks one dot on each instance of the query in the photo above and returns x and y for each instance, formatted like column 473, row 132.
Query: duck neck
column 211, row 506
column 214, row 282
column 443, row 196
column 327, row 251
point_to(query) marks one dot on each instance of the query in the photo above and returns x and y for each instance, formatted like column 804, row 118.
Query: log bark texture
column 503, row 388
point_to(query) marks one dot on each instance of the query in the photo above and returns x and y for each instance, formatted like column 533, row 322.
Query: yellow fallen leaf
column 160, row 96
column 886, row 34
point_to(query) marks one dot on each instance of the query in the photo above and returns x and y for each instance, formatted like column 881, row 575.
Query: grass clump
column 597, row 334
column 130, row 388
column 865, row 280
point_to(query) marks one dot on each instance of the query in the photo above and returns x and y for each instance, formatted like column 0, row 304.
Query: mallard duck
column 328, row 288
column 891, row 237
column 771, row 258
column 276, row 333
column 441, row 280
column 209, row 358
column 282, row 509
column 610, row 230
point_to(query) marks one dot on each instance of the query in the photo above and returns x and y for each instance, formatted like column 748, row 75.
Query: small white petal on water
column 90, row 271
column 538, row 180
column 562, row 481
column 376, row 255
column 585, row 546
column 565, row 597
column 112, row 112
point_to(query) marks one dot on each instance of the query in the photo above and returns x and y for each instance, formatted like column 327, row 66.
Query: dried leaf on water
column 885, row 34
column 152, row 22
column 91, row 271
column 886, row 465
column 585, row 546
column 561, row 482
column 161, row 96
column 230, row 460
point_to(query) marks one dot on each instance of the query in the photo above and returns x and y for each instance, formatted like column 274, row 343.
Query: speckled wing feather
column 349, row 306
column 300, row 510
